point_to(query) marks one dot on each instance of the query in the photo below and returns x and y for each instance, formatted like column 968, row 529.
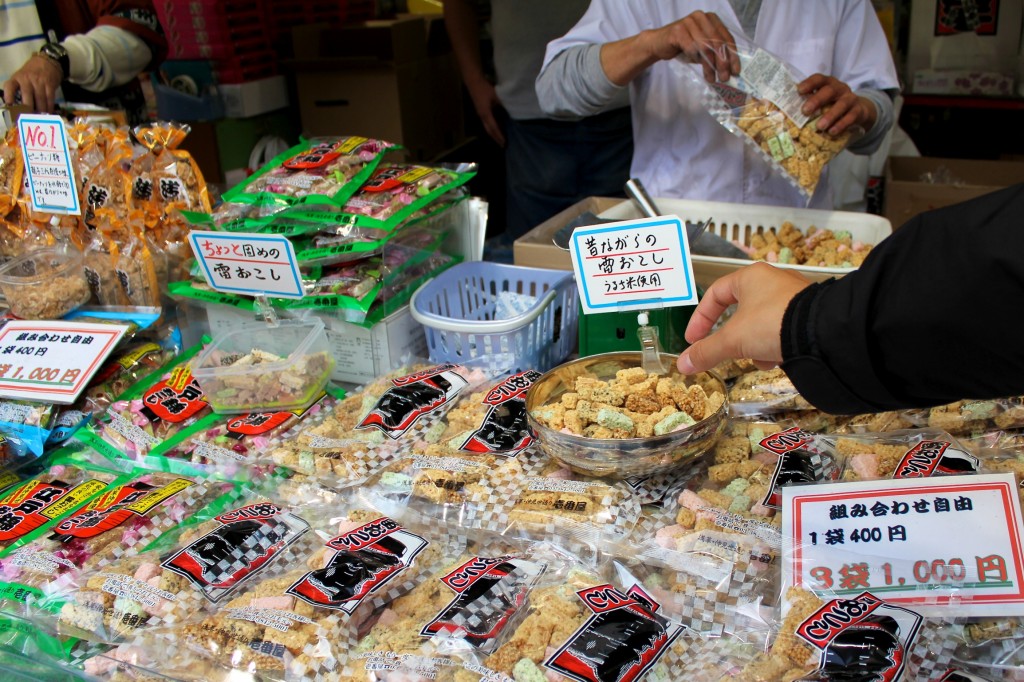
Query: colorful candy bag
column 762, row 107
column 144, row 419
column 117, row 522
column 28, row 423
column 328, row 167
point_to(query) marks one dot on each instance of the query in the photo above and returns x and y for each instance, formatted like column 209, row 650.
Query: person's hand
column 486, row 103
column 846, row 110
column 700, row 38
column 37, row 81
column 754, row 331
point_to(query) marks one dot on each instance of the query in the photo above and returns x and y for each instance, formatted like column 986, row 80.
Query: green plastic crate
column 614, row 332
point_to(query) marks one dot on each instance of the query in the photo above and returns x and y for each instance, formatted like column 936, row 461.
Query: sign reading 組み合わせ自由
column 633, row 265
column 49, row 172
column 53, row 361
column 946, row 542
column 253, row 264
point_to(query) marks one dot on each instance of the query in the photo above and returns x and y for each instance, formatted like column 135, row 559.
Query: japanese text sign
column 633, row 265
column 48, row 169
column 53, row 361
column 951, row 541
column 254, row 264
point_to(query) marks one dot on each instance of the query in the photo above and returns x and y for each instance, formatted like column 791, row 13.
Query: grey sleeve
column 882, row 100
column 574, row 85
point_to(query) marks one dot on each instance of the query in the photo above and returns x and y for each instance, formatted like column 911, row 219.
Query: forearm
column 883, row 121
column 105, row 56
column 574, row 84
column 462, row 23
column 892, row 335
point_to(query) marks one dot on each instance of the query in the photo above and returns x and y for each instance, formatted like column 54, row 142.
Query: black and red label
column 250, row 539
column 174, row 399
column 935, row 458
column 20, row 509
column 622, row 640
column 317, row 156
column 863, row 638
column 365, row 559
column 111, row 509
column 504, row 430
column 256, row 423
column 412, row 397
column 803, row 458
column 489, row 591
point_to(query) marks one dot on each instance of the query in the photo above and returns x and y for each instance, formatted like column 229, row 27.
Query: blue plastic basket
column 457, row 308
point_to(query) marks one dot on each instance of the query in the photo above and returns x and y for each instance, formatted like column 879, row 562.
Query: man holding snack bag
column 718, row 115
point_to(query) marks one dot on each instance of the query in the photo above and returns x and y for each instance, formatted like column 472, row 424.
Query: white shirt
column 681, row 150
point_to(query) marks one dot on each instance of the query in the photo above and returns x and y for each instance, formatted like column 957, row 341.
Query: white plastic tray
column 741, row 221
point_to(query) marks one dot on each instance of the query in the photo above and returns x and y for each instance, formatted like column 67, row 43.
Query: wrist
column 57, row 55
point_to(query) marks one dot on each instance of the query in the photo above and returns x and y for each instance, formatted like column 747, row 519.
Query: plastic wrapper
column 109, row 185
column 145, row 418
column 365, row 431
column 29, row 423
column 45, row 284
column 764, row 392
column 989, row 650
column 968, row 417
column 11, row 170
column 328, row 167
column 762, row 107
column 171, row 176
column 138, row 271
column 295, row 621
column 129, row 366
column 919, row 453
column 118, row 522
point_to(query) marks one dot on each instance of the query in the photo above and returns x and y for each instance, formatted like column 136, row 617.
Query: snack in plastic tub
column 604, row 415
column 262, row 367
column 46, row 284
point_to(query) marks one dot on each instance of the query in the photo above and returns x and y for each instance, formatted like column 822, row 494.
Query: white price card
column 633, row 265
column 242, row 263
column 947, row 545
column 53, row 361
column 48, row 169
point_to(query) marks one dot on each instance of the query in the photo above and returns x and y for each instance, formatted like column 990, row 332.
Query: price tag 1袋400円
column 950, row 543
column 252, row 264
column 633, row 265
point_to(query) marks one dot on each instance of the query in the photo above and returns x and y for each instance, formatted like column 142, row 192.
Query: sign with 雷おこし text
column 254, row 264
column 48, row 170
column 948, row 545
column 633, row 265
column 53, row 361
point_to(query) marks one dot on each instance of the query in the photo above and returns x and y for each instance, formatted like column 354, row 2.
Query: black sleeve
column 934, row 315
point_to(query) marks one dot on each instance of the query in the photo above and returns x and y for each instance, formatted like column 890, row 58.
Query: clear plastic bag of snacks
column 329, row 167
column 764, row 392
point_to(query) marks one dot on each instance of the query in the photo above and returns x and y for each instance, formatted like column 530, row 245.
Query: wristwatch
column 57, row 53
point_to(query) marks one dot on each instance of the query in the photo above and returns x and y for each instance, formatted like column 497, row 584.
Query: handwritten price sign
column 633, row 265
column 51, row 177
column 951, row 541
column 53, row 361
column 240, row 263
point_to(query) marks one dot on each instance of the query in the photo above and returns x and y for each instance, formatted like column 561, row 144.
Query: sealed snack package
column 138, row 271
column 28, row 423
column 967, row 417
column 108, row 185
column 214, row 555
column 764, row 392
column 11, row 169
column 762, row 107
column 173, row 177
column 329, row 167
column 129, row 366
column 142, row 420
column 117, row 522
column 294, row 622
column 918, row 453
column 988, row 650
column 365, row 430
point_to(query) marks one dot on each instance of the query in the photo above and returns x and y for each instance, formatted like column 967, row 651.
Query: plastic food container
column 260, row 367
column 620, row 458
column 46, row 284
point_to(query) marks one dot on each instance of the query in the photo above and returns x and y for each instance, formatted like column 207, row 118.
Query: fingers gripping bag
column 294, row 622
column 117, row 522
column 328, row 168
column 147, row 416
column 372, row 425
column 762, row 107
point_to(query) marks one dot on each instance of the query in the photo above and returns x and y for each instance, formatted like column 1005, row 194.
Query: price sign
column 241, row 263
column 633, row 265
column 952, row 541
column 51, row 177
column 53, row 361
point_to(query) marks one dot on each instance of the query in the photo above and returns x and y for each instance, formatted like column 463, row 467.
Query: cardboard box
column 906, row 194
column 381, row 79
column 963, row 82
column 361, row 354
column 535, row 248
column 242, row 100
